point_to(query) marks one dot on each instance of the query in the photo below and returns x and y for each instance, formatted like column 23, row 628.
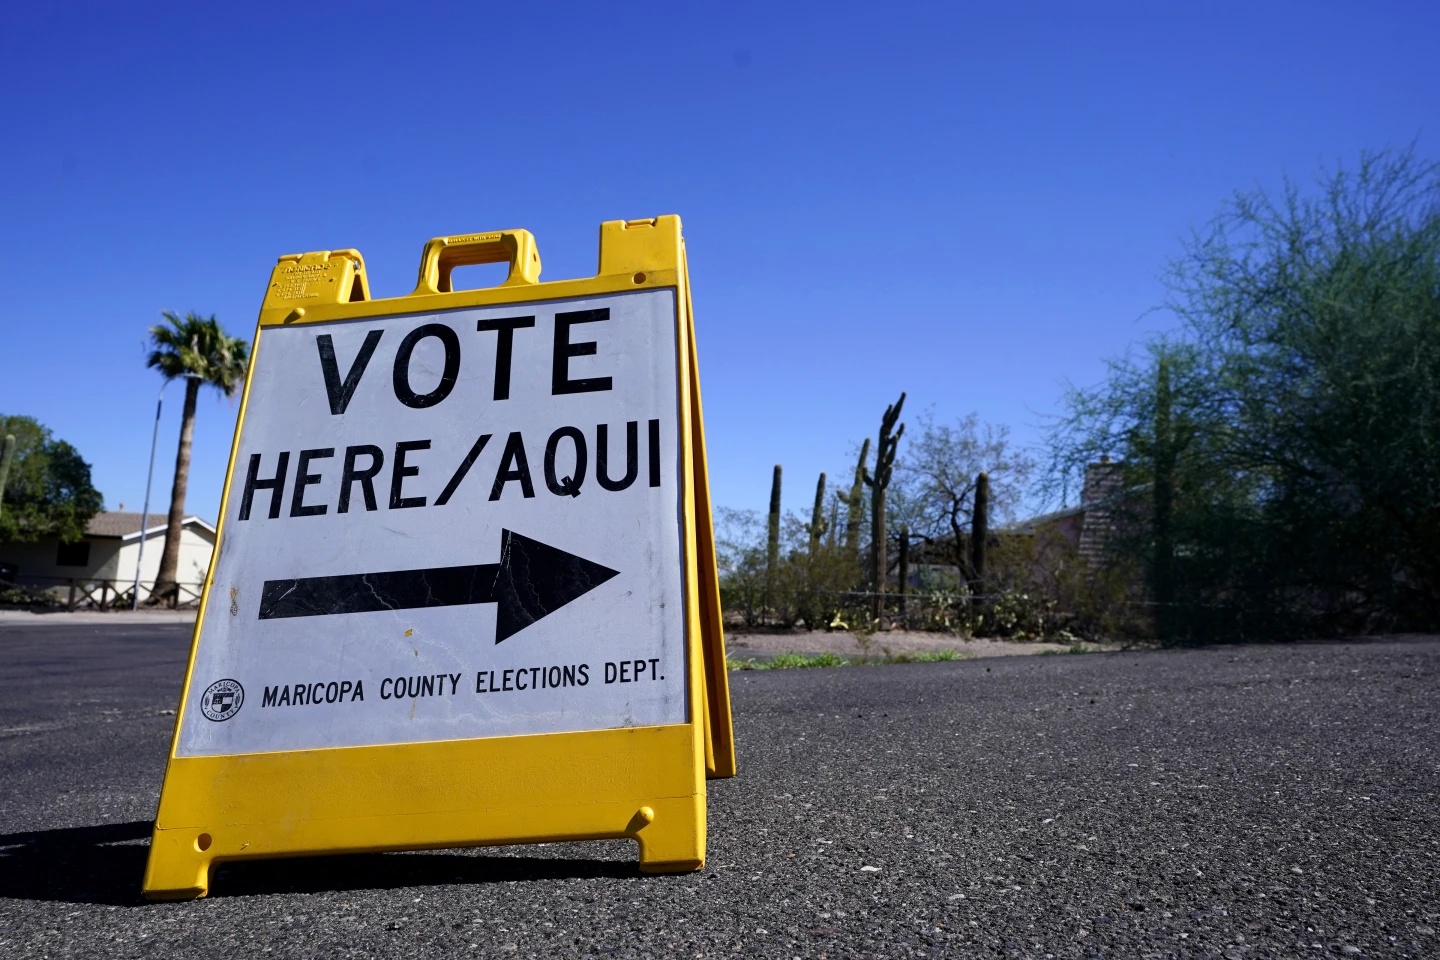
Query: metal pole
column 145, row 511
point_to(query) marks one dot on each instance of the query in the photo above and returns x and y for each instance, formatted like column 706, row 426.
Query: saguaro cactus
column 855, row 504
column 6, row 455
column 980, row 528
column 772, row 540
column 1166, row 456
column 879, row 481
column 818, row 524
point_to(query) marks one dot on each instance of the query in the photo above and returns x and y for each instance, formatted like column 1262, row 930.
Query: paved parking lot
column 1236, row 802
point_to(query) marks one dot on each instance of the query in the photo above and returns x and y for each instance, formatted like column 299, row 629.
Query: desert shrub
column 803, row 586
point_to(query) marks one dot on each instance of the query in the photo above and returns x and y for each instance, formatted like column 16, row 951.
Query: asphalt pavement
column 1274, row 801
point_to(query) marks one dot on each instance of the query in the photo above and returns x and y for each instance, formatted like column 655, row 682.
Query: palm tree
column 198, row 350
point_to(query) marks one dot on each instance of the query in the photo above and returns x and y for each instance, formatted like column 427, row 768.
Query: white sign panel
column 448, row 526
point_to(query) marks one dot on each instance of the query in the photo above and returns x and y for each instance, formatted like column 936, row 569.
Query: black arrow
column 530, row 581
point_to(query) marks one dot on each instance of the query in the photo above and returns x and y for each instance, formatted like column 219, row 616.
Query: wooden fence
column 98, row 593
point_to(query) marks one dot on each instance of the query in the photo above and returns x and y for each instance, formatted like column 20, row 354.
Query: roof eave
column 160, row 528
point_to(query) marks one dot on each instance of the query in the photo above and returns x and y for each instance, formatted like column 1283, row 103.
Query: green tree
column 741, row 539
column 934, row 490
column 48, row 491
column 197, row 349
column 1283, row 448
column 1165, row 414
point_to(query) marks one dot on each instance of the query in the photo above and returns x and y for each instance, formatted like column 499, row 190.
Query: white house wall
column 37, row 560
column 195, row 553
column 114, row 559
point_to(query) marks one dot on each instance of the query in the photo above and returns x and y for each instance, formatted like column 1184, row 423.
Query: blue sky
column 971, row 203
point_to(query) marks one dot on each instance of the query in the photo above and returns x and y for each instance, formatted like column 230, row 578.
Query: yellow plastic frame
column 644, row 783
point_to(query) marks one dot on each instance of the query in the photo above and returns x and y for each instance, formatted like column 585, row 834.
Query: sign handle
column 443, row 254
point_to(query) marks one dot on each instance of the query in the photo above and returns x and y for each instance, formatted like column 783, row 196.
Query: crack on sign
column 507, row 544
column 384, row 600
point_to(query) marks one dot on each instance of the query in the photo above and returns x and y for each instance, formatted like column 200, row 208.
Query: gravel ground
column 1227, row 802
column 739, row 643
column 762, row 645
column 13, row 618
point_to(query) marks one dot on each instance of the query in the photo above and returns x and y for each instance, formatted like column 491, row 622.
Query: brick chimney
column 1104, row 482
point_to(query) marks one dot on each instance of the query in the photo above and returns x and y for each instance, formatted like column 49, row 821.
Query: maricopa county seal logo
column 222, row 700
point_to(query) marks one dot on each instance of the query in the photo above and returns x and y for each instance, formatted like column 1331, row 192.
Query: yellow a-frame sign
column 464, row 588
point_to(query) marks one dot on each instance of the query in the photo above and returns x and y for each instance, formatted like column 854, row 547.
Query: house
column 1086, row 529
column 1089, row 525
column 104, row 562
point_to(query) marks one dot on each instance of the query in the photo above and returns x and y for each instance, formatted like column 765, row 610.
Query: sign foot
column 672, row 837
column 179, row 867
